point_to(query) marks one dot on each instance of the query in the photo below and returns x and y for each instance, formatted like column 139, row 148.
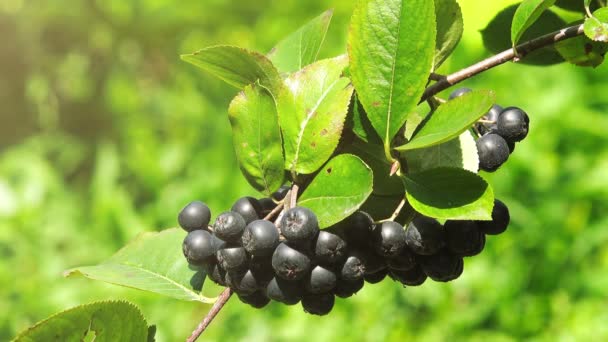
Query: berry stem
column 517, row 53
column 275, row 211
column 215, row 309
column 294, row 195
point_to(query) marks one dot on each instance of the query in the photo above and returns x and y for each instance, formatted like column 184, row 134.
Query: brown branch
column 515, row 55
column 275, row 211
column 215, row 309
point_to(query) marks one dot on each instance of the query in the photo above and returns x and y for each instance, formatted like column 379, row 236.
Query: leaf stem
column 522, row 49
column 215, row 309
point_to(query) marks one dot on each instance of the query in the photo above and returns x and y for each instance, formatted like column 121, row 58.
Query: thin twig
column 436, row 77
column 215, row 309
column 503, row 57
column 275, row 211
column 294, row 195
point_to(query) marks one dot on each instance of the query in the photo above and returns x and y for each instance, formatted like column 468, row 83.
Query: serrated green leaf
column 596, row 27
column 338, row 190
column 497, row 36
column 152, row 262
column 102, row 321
column 460, row 153
column 301, row 48
column 449, row 29
column 582, row 51
column 312, row 110
column 361, row 125
column 237, row 66
column 391, row 46
column 257, row 138
column 450, row 193
column 451, row 119
column 526, row 14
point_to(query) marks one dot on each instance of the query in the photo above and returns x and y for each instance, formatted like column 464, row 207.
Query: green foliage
column 450, row 193
column 152, row 262
column 582, row 51
column 312, row 110
column 449, row 29
column 460, row 152
column 389, row 69
column 101, row 321
column 257, row 138
column 526, row 14
column 338, row 190
column 596, row 27
column 451, row 119
column 301, row 48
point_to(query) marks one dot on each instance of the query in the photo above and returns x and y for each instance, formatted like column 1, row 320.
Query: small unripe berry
column 424, row 236
column 196, row 215
column 493, row 151
column 513, row 124
column 249, row 208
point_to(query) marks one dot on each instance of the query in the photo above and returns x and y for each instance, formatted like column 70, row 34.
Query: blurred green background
column 105, row 133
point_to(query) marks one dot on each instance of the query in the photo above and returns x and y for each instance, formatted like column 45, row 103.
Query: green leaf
column 152, row 262
column 574, row 5
column 449, row 29
column 236, row 66
column 526, row 14
column 497, row 36
column 460, row 153
column 450, row 193
column 257, row 138
column 301, row 48
column 361, row 125
column 596, row 27
column 338, row 190
column 391, row 49
column 312, row 110
column 451, row 119
column 582, row 51
column 101, row 321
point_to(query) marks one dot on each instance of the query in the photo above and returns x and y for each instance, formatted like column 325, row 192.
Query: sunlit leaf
column 596, row 27
column 526, row 14
column 449, row 29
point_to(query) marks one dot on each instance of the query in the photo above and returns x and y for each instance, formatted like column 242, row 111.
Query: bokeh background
column 105, row 133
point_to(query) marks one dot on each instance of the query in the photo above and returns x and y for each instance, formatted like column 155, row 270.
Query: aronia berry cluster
column 293, row 261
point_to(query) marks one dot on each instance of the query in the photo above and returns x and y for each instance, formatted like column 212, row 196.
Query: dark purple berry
column 329, row 248
column 357, row 228
column 388, row 239
column 199, row 245
column 267, row 205
column 257, row 299
column 513, row 124
column 404, row 261
column 320, row 280
column 216, row 273
column 500, row 220
column 260, row 238
column 289, row 263
column 464, row 238
column 493, row 151
column 511, row 147
column 424, row 236
column 243, row 281
column 372, row 262
column 443, row 266
column 286, row 292
column 346, row 288
column 229, row 226
column 233, row 258
column 249, row 208
column 318, row 304
column 280, row 194
column 413, row 277
column 353, row 267
column 299, row 225
column 377, row 277
column 491, row 117
column 196, row 215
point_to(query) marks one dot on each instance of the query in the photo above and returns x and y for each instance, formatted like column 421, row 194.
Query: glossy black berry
column 267, row 205
column 413, row 277
column 287, row 292
column 249, row 208
column 513, row 124
column 260, row 238
column 511, row 147
column 229, row 226
column 257, row 299
column 243, row 282
column 318, row 304
column 443, row 266
column 491, row 117
column 232, row 258
column 500, row 220
column 199, row 245
column 357, row 228
column 403, row 261
column 280, row 194
column 459, row 92
column 493, row 151
column 346, row 288
column 377, row 277
column 320, row 280
column 388, row 239
column 353, row 267
column 372, row 262
column 464, row 238
column 329, row 248
column 196, row 215
column 216, row 273
column 424, row 236
column 299, row 225
column 289, row 263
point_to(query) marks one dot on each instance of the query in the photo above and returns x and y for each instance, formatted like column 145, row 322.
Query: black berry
column 243, row 282
column 424, row 236
column 413, row 277
column 232, row 258
column 389, row 239
column 199, row 245
column 346, row 288
column 318, row 304
column 511, row 147
column 403, row 261
column 267, row 205
column 513, row 124
column 249, row 208
column 289, row 263
column 493, row 151
column 281, row 290
column 280, row 194
column 260, row 238
column 216, row 273
column 500, row 220
column 377, row 277
column 353, row 268
column 329, row 248
column 357, row 228
column 443, row 266
column 229, row 226
column 257, row 299
column 372, row 262
column 194, row 216
column 491, row 117
column 464, row 238
column 320, row 280
column 299, row 224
